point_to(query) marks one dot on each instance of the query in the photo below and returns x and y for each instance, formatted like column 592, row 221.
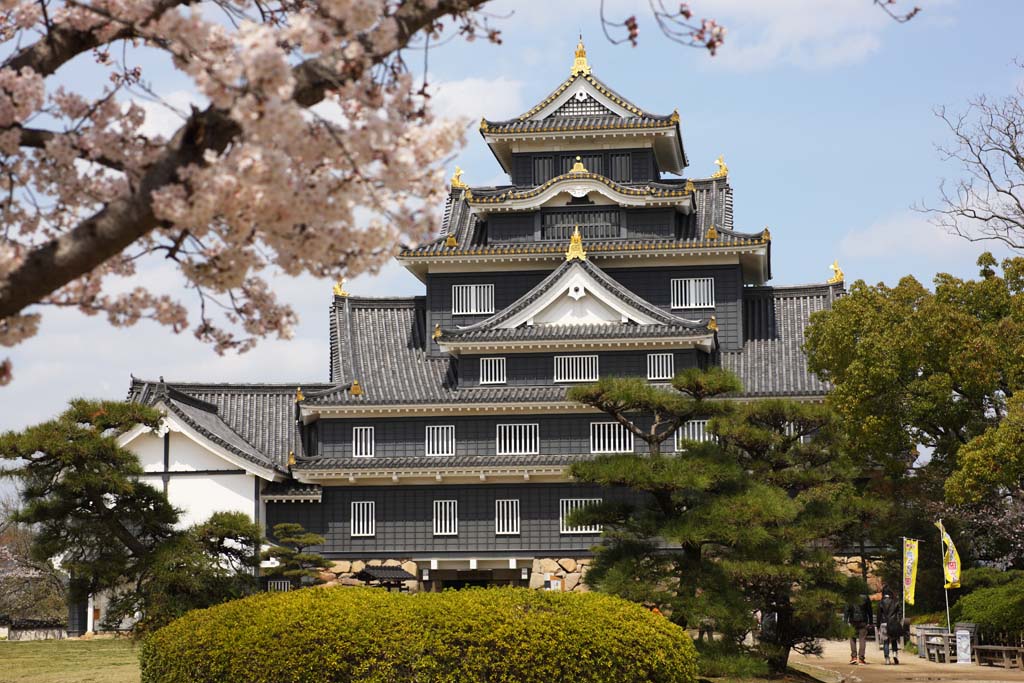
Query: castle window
column 492, row 371
column 566, row 506
column 362, row 442
column 660, row 366
column 440, row 440
column 694, row 430
column 506, row 517
column 364, row 522
column 446, row 518
column 576, row 368
column 543, row 169
column 622, row 168
column 518, row 439
column 610, row 437
column 693, row 292
column 472, row 299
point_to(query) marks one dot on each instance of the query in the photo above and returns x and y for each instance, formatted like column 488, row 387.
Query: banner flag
column 950, row 558
column 909, row 569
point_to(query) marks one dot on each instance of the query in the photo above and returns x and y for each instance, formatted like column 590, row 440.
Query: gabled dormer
column 583, row 116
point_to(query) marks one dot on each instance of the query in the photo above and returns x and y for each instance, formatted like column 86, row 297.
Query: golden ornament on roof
column 298, row 395
column 355, row 389
column 578, row 167
column 712, row 233
column 675, row 116
column 689, row 187
column 766, row 235
column 339, row 288
column 575, row 250
column 723, row 170
column 450, row 241
column 291, row 458
column 437, row 332
column 580, row 64
column 838, row 275
column 713, row 324
column 457, row 183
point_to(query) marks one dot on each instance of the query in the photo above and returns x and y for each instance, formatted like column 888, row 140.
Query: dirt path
column 912, row 668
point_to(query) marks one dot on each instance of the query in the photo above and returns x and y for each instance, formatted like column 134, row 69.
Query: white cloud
column 166, row 116
column 907, row 243
column 473, row 98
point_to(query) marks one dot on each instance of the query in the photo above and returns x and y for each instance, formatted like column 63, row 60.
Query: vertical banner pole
column 942, row 551
column 903, row 584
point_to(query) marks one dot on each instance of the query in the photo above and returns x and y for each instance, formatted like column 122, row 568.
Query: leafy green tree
column 728, row 527
column 210, row 563
column 911, row 369
column 295, row 561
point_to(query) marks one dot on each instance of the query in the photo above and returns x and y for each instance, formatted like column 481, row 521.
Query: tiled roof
column 712, row 198
column 255, row 421
column 670, row 325
column 463, row 461
column 575, row 123
column 772, row 361
column 498, row 195
column 290, row 490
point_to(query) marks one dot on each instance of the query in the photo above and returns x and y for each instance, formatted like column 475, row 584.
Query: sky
column 824, row 112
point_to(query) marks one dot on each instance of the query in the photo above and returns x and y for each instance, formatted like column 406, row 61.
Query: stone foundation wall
column 570, row 571
column 853, row 565
column 343, row 572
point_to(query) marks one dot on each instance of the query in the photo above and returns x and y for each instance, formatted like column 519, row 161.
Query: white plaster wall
column 150, row 449
column 200, row 496
column 187, row 455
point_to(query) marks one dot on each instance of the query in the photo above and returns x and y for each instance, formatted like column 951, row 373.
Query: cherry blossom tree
column 316, row 152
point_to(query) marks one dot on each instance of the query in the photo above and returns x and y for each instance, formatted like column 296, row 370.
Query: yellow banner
column 950, row 558
column 909, row 569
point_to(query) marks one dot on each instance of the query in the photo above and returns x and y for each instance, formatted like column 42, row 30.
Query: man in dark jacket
column 889, row 616
column 858, row 615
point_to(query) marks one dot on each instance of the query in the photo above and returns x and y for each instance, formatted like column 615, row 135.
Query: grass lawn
column 69, row 661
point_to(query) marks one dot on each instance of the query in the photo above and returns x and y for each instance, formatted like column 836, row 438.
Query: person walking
column 889, row 615
column 858, row 615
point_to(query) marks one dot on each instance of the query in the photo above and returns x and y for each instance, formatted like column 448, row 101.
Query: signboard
column 963, row 646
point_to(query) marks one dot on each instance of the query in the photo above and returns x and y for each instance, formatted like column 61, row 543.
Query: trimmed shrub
column 996, row 609
column 373, row 636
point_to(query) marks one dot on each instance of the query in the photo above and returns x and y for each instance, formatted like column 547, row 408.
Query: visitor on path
column 890, row 619
column 858, row 615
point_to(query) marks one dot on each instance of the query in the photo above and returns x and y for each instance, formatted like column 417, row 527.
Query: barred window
column 694, row 430
column 660, row 366
column 506, row 516
column 279, row 585
column 610, row 437
column 472, row 299
column 492, row 371
column 518, row 439
column 364, row 522
column 543, row 169
column 622, row 168
column 446, row 518
column 576, row 368
column 362, row 442
column 440, row 440
column 790, row 430
column 693, row 292
column 566, row 506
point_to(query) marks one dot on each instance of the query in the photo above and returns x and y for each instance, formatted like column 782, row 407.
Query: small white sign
column 963, row 646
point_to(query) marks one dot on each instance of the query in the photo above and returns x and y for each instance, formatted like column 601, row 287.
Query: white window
column 440, row 440
column 693, row 292
column 790, row 430
column 506, row 516
column 492, row 371
column 472, row 299
column 518, row 439
column 567, row 506
column 660, row 366
column 446, row 518
column 364, row 521
column 610, row 437
column 279, row 585
column 362, row 442
column 694, row 430
column 576, row 368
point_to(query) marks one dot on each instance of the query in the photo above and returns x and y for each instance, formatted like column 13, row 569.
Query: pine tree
column 295, row 562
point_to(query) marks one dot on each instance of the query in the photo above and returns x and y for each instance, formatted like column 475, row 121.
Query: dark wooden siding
column 404, row 520
column 537, row 368
column 529, row 169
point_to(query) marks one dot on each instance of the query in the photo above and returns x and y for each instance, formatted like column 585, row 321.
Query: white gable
column 581, row 91
column 578, row 298
column 582, row 104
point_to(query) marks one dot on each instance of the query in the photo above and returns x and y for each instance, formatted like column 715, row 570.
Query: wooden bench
column 940, row 647
column 1000, row 655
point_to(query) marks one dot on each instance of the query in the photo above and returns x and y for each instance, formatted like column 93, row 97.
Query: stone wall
column 343, row 572
column 853, row 565
column 570, row 571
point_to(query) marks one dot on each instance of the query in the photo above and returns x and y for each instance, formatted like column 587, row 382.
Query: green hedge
column 372, row 636
column 996, row 609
